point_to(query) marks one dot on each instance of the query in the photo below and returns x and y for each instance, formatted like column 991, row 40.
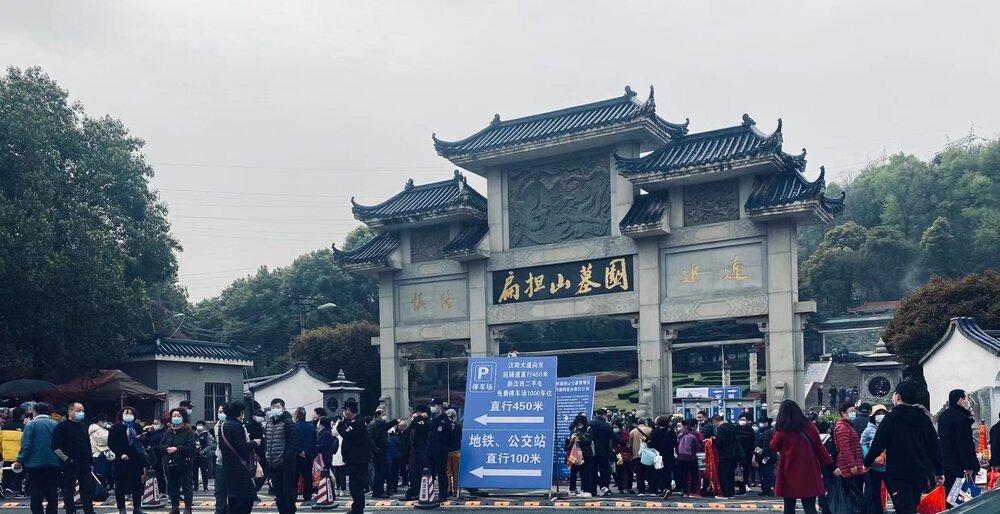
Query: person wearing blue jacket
column 40, row 460
column 307, row 452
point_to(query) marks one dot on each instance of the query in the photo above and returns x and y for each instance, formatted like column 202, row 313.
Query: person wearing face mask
column 282, row 441
column 876, row 475
column 357, row 450
column 126, row 441
column 180, row 445
column 221, row 503
column 418, row 449
column 439, row 438
column 155, row 432
column 765, row 460
column 747, row 441
column 958, row 447
column 98, row 432
column 621, row 446
column 305, row 454
column 912, row 451
column 255, row 429
column 377, row 431
column 454, row 451
column 71, row 443
column 206, row 453
column 237, row 450
column 849, row 462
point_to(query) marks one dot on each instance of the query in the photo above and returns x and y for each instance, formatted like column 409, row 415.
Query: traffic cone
column 150, row 495
column 981, row 448
column 77, row 499
column 428, row 491
column 324, row 497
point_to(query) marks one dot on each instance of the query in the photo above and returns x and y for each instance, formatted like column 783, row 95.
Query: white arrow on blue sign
column 508, row 443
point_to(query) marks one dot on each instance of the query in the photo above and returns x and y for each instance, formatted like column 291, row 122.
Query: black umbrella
column 24, row 388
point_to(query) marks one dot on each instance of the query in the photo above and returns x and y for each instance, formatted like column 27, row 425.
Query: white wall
column 959, row 364
column 298, row 390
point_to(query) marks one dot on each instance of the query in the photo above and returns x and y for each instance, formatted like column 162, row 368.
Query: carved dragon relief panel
column 711, row 203
column 427, row 244
column 562, row 201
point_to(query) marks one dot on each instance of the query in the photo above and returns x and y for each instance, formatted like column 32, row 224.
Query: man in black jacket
column 71, row 444
column 913, row 456
column 603, row 435
column 958, row 449
column 282, row 441
column 377, row 431
column 727, row 447
column 860, row 420
column 357, row 453
column 439, row 441
column 417, row 432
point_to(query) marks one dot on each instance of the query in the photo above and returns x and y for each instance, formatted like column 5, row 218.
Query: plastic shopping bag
column 955, row 491
column 837, row 500
column 968, row 492
column 991, row 479
column 933, row 503
column 575, row 457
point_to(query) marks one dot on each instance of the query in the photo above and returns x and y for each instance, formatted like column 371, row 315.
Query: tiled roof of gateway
column 788, row 187
column 467, row 240
column 712, row 147
column 549, row 125
column 646, row 210
column 190, row 348
column 374, row 252
column 423, row 200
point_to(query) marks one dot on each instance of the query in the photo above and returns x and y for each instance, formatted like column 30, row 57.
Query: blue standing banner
column 507, row 439
column 573, row 396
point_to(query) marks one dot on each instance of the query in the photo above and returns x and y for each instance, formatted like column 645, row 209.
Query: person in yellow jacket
column 10, row 445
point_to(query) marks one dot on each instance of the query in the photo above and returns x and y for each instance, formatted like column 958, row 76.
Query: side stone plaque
column 432, row 301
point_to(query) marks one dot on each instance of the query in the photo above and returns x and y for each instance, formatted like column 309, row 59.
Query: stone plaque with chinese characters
column 563, row 201
column 566, row 280
column 715, row 272
column 432, row 301
column 711, row 203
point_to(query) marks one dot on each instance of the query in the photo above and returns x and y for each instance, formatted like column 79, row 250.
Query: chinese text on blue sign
column 573, row 396
column 510, row 408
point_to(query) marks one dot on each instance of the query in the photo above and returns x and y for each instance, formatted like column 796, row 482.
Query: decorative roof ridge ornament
column 748, row 121
column 775, row 139
column 629, row 93
column 650, row 104
column 409, row 185
column 822, row 175
column 461, row 185
column 354, row 203
column 496, row 120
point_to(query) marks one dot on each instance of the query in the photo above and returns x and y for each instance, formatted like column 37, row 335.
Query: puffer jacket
column 866, row 441
column 848, row 449
column 98, row 439
column 10, row 441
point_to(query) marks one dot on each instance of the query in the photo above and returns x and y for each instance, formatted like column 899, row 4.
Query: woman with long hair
column 125, row 439
column 180, row 444
column 801, row 459
column 580, row 434
column 689, row 445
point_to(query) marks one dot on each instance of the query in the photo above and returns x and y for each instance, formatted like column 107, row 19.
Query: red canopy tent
column 107, row 390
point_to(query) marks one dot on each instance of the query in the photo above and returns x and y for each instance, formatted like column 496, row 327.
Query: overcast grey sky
column 263, row 118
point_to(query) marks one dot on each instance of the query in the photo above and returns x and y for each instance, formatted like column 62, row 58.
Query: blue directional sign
column 507, row 438
column 573, row 396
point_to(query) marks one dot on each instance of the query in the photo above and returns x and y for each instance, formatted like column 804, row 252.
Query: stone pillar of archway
column 785, row 348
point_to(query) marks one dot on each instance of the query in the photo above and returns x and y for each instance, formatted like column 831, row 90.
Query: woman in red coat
column 850, row 463
column 801, row 455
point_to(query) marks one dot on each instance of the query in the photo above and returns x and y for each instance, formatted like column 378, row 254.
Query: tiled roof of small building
column 424, row 200
column 190, row 348
column 646, row 211
column 375, row 252
column 712, row 147
column 500, row 134
column 467, row 240
column 988, row 339
column 788, row 187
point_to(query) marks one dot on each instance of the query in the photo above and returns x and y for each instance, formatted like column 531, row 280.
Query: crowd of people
column 796, row 456
column 358, row 455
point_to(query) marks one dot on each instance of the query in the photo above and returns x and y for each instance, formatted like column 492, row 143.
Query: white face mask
column 743, row 422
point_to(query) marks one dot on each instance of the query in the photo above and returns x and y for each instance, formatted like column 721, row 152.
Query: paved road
column 205, row 503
